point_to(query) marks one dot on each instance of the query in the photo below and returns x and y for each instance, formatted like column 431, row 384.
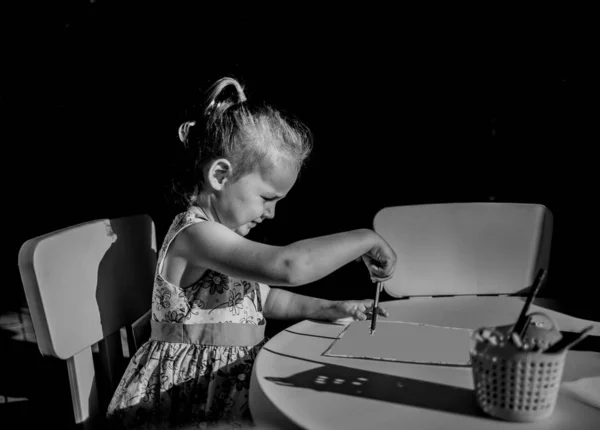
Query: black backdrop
column 91, row 105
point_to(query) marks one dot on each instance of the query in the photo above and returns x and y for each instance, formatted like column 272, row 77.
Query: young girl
column 211, row 293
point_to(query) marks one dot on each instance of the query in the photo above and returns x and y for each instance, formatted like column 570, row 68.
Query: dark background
column 404, row 109
column 93, row 93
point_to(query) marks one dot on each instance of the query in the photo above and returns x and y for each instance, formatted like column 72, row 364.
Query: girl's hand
column 381, row 261
column 358, row 310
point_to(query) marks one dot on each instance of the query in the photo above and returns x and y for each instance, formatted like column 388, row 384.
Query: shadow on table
column 384, row 387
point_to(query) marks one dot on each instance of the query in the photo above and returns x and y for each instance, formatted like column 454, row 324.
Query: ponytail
column 219, row 100
column 221, row 97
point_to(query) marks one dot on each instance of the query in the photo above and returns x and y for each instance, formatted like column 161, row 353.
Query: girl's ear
column 219, row 172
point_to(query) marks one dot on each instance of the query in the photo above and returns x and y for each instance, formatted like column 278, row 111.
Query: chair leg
column 111, row 365
column 83, row 387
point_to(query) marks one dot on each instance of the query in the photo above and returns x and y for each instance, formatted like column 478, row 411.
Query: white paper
column 403, row 341
column 586, row 390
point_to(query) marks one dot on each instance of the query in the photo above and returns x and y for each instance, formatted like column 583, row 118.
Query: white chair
column 83, row 284
column 465, row 248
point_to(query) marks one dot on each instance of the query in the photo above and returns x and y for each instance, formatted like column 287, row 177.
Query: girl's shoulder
column 182, row 220
column 191, row 216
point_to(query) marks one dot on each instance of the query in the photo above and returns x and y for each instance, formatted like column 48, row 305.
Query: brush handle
column 566, row 343
column 525, row 326
column 375, row 308
column 537, row 284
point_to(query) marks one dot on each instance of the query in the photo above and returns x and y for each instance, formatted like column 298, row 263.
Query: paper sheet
column 586, row 390
column 403, row 341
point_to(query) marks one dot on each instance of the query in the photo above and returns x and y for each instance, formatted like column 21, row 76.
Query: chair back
column 465, row 248
column 89, row 289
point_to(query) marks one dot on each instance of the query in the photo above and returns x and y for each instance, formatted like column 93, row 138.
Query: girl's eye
column 269, row 199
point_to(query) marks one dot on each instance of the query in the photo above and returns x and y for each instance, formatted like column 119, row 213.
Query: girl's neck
column 205, row 203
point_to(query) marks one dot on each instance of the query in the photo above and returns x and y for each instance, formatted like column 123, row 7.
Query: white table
column 295, row 386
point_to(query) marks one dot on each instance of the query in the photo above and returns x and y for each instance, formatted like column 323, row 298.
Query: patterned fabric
column 186, row 385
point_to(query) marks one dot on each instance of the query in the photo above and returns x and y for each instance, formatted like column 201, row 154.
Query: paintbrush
column 566, row 343
column 375, row 309
column 521, row 321
column 526, row 325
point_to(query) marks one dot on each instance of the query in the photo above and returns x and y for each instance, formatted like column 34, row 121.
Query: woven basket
column 515, row 384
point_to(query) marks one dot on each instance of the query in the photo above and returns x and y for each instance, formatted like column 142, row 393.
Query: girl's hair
column 250, row 136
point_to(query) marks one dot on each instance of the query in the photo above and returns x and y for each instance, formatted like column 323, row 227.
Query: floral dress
column 195, row 370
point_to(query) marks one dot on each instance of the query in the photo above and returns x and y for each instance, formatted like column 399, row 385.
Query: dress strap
column 192, row 216
column 221, row 334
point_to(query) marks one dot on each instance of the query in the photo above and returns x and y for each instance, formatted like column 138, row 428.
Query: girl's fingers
column 382, row 312
column 362, row 310
column 359, row 315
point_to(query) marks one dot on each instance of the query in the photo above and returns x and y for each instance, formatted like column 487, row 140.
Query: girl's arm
column 282, row 304
column 212, row 245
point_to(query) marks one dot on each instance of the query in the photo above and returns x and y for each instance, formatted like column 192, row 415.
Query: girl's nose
column 270, row 213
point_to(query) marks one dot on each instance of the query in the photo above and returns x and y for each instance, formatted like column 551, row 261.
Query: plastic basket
column 515, row 384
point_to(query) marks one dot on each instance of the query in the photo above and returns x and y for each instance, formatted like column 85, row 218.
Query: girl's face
column 243, row 204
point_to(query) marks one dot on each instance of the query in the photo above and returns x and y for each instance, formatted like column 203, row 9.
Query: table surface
column 295, row 386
